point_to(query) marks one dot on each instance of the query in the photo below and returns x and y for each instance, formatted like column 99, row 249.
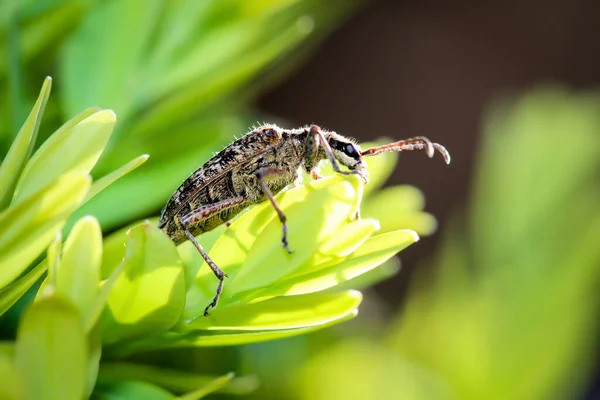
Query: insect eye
column 350, row 149
column 269, row 131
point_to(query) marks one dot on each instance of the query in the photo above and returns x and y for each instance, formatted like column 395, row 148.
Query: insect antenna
column 415, row 143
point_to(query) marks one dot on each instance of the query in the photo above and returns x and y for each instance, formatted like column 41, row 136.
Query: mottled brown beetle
column 253, row 169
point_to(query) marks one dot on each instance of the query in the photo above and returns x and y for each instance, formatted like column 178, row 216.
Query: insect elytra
column 256, row 167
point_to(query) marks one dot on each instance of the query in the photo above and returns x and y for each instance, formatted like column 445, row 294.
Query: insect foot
column 254, row 169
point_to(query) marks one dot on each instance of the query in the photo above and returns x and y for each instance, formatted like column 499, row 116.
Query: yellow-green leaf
column 102, row 183
column 78, row 274
column 279, row 313
column 51, row 351
column 19, row 152
column 148, row 297
column 74, row 147
column 30, row 226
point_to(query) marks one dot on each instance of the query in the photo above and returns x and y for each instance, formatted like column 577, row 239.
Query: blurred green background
column 501, row 303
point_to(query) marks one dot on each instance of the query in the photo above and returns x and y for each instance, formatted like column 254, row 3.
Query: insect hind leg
column 261, row 175
column 215, row 269
column 196, row 217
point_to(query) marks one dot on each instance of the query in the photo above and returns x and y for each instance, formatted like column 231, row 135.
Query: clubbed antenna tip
column 416, row 143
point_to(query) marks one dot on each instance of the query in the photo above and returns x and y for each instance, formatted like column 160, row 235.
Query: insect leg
column 195, row 217
column 266, row 173
column 316, row 131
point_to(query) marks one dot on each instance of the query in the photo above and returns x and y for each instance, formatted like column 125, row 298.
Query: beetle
column 256, row 167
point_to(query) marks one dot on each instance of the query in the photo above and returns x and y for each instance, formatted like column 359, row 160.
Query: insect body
column 256, row 167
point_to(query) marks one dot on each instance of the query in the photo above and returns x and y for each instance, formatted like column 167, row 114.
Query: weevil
column 253, row 169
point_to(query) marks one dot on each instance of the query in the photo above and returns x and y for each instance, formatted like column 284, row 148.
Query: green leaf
column 73, row 147
column 21, row 149
column 105, row 181
column 12, row 383
column 78, row 274
column 279, row 313
column 51, row 264
column 349, row 237
column 341, row 243
column 30, row 226
column 11, row 294
column 101, row 184
column 94, row 337
column 53, row 257
column 114, row 250
column 408, row 204
column 177, row 381
column 51, row 350
column 149, row 296
column 98, row 307
column 218, row 338
column 374, row 252
column 209, row 388
column 125, row 390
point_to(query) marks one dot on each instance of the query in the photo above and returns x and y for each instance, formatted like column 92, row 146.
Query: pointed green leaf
column 279, row 313
column 51, row 350
column 342, row 242
column 124, row 390
column 177, row 381
column 114, row 250
column 76, row 147
column 53, row 257
column 78, row 274
column 149, row 296
column 349, row 237
column 19, row 152
column 93, row 316
column 408, row 212
column 30, row 226
column 217, row 338
column 102, row 183
column 11, row 294
column 94, row 338
column 209, row 388
column 374, row 252
column 51, row 264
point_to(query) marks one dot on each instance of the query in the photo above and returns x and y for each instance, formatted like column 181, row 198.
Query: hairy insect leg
column 316, row 131
column 262, row 174
column 196, row 217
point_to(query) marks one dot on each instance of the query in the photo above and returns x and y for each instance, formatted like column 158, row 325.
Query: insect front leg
column 261, row 175
column 188, row 221
column 317, row 138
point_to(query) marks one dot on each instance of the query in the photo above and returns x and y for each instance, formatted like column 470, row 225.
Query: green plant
column 136, row 291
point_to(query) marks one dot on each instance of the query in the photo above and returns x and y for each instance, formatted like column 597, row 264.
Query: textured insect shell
column 232, row 173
